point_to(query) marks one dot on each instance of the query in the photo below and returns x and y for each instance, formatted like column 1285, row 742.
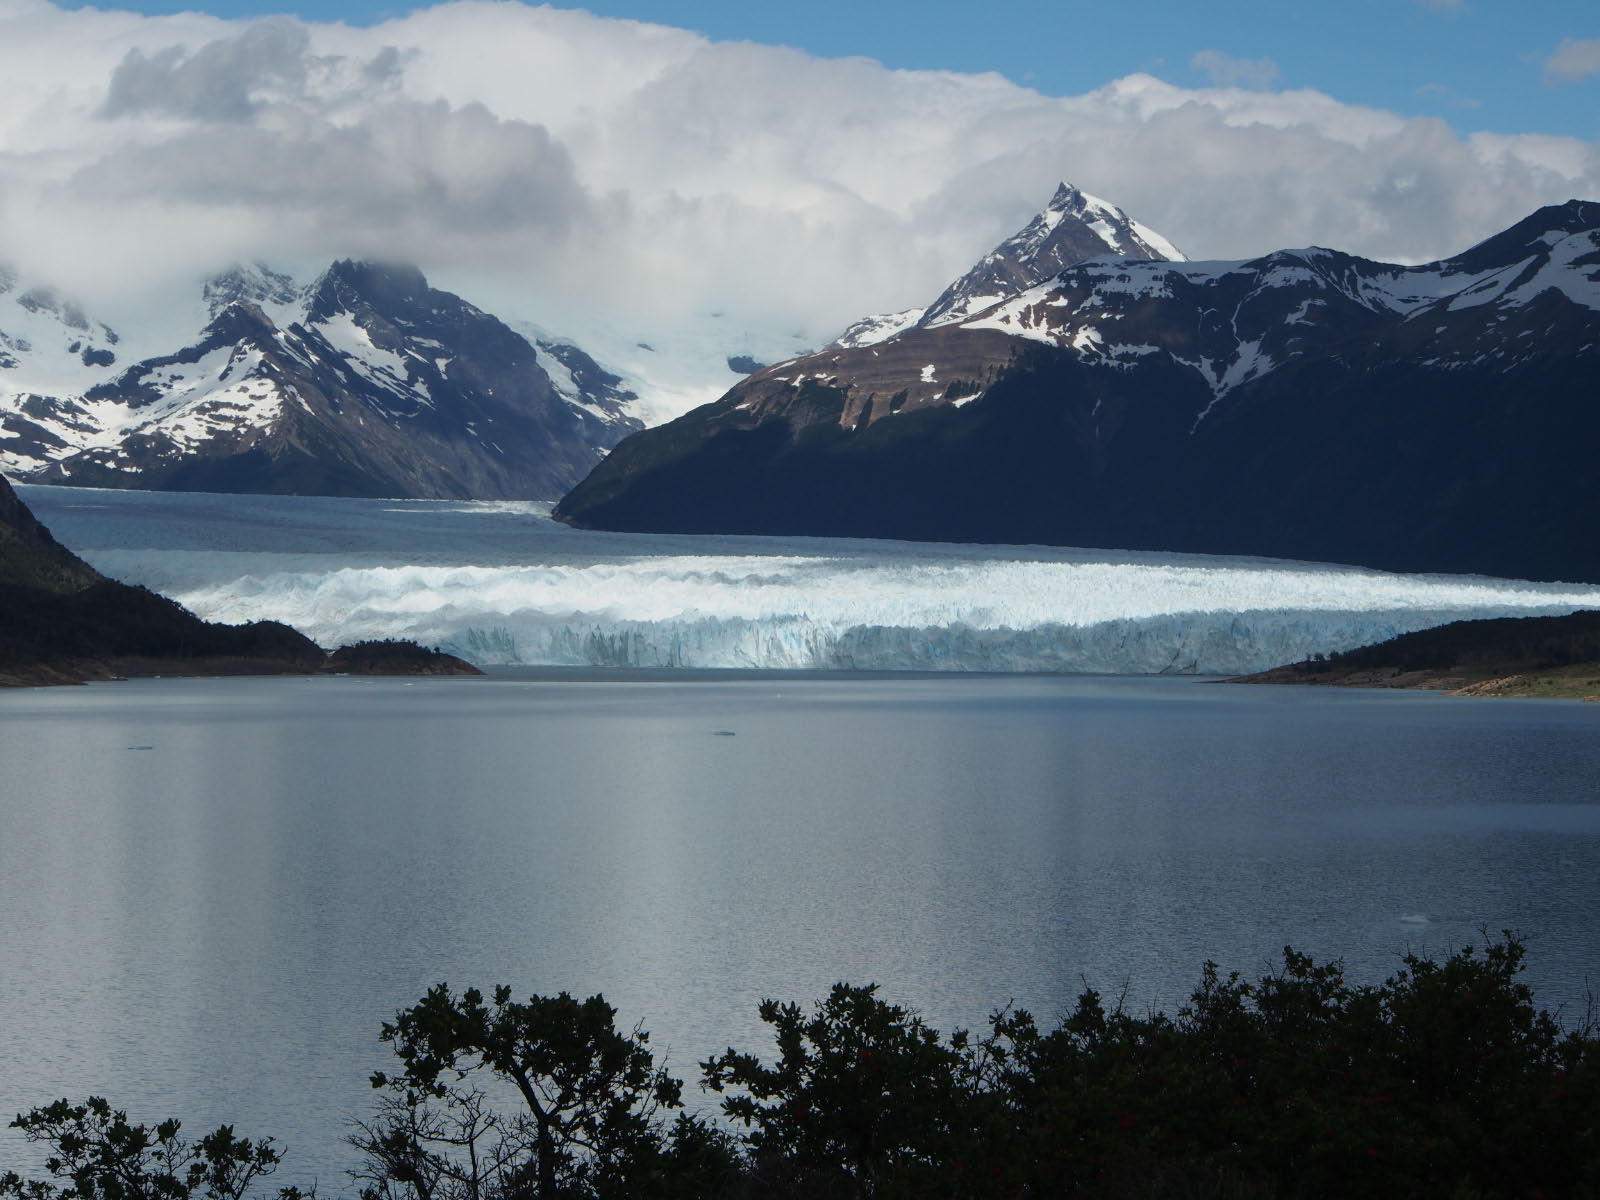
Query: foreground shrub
column 96, row 1153
column 1444, row 1080
column 863, row 1098
column 592, row 1099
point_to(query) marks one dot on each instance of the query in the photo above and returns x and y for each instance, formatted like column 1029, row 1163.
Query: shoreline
column 1556, row 658
column 381, row 658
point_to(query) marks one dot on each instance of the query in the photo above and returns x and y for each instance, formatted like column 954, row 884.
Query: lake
column 214, row 891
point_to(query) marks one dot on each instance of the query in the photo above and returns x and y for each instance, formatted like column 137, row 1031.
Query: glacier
column 501, row 584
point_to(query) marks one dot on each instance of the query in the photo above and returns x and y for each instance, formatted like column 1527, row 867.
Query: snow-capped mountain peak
column 271, row 291
column 1120, row 234
column 369, row 381
column 1072, row 228
column 879, row 327
column 46, row 338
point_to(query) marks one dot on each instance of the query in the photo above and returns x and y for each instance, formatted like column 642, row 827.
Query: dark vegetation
column 1444, row 1080
column 114, row 621
column 61, row 621
column 1528, row 643
column 390, row 656
column 109, row 630
column 30, row 557
column 1543, row 656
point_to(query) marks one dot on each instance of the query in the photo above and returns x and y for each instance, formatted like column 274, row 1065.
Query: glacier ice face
column 903, row 613
column 501, row 584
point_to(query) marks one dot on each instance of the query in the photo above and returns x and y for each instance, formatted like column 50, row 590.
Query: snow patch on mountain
column 383, row 368
column 869, row 331
column 275, row 293
column 48, row 344
column 1573, row 269
column 1082, row 307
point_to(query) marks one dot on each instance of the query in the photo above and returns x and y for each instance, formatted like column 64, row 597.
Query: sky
column 798, row 165
column 1509, row 68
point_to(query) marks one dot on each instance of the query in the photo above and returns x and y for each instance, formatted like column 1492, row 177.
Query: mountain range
column 367, row 382
column 1083, row 384
column 1306, row 404
column 370, row 382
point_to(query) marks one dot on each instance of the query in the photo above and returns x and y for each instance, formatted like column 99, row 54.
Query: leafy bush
column 97, row 1154
column 1444, row 1080
column 592, row 1099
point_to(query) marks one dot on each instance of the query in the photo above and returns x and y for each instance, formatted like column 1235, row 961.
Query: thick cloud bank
column 556, row 165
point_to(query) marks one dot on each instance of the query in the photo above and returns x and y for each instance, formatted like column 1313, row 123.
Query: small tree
column 97, row 1154
column 593, row 1101
column 860, row 1088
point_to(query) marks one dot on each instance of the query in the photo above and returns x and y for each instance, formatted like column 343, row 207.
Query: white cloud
column 1226, row 71
column 1573, row 60
column 559, row 166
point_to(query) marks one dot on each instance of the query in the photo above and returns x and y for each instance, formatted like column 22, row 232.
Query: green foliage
column 862, row 1093
column 592, row 1100
column 1444, row 1080
column 97, row 1154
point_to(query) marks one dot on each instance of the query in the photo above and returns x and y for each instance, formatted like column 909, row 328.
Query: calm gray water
column 213, row 892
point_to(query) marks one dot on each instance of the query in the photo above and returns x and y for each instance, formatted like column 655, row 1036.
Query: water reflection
column 216, row 926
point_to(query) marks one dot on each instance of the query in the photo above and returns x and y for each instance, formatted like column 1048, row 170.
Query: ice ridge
column 823, row 613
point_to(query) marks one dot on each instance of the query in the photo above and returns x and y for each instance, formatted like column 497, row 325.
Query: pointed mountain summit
column 256, row 283
column 1072, row 228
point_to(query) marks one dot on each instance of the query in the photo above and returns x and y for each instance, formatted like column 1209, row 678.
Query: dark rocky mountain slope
column 1308, row 404
column 61, row 621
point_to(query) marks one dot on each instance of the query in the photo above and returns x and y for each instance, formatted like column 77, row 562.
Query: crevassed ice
column 901, row 611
